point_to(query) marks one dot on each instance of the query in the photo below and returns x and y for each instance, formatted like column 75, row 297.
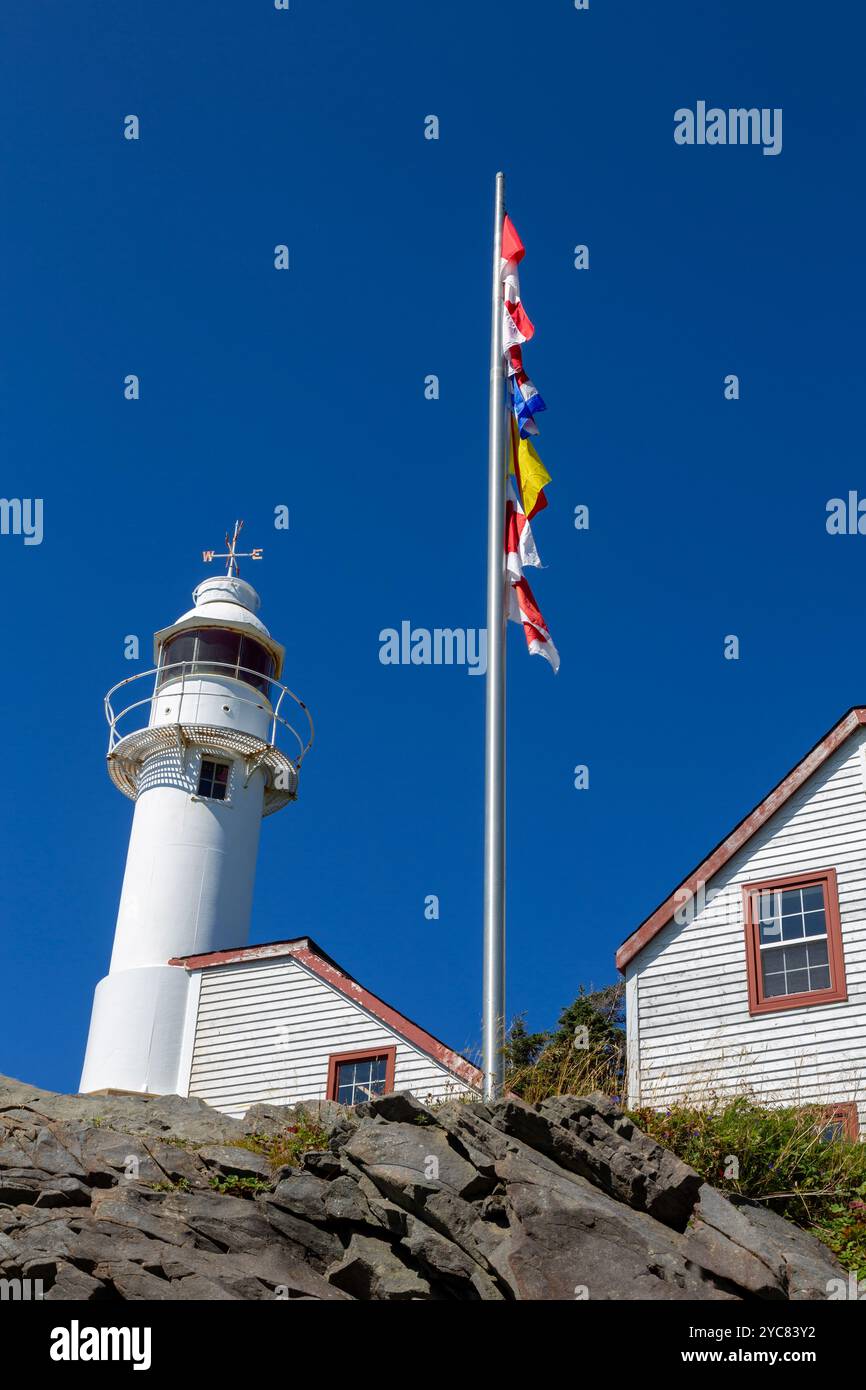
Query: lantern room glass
column 216, row 651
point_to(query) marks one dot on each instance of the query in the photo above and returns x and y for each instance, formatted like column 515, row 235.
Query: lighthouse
column 206, row 744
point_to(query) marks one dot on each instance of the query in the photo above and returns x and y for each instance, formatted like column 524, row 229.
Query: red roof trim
column 742, row 833
column 307, row 954
column 263, row 951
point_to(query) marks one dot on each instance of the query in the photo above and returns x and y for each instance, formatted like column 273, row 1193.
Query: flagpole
column 494, row 745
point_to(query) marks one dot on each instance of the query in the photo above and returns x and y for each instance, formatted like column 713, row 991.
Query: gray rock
column 73, row 1285
column 323, row 1164
column 177, row 1116
column 236, row 1162
column 344, row 1201
column 400, row 1106
column 569, row 1240
column 273, row 1120
column 110, row 1197
column 303, row 1194
column 64, row 1192
column 759, row 1250
column 447, row 1264
column 371, row 1269
column 139, row 1212
column 131, row 1282
column 109, row 1157
column 286, row 1277
column 407, row 1155
column 194, row 1286
column 14, row 1190
column 232, row 1224
column 308, row 1241
column 582, row 1136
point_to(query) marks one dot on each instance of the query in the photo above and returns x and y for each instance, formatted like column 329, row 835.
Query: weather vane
column 232, row 554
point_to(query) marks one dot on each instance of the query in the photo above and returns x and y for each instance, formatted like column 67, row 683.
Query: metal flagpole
column 494, row 744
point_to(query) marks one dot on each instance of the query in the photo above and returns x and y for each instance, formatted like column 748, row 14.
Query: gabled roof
column 305, row 951
column 742, row 833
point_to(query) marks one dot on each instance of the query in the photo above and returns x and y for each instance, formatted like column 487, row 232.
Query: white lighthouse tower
column 195, row 745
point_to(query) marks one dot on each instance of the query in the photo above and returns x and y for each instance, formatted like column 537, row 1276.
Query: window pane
column 815, row 923
column 832, row 1132
column 770, row 926
column 797, row 982
column 819, row 978
column 790, row 901
column 795, row 958
column 817, row 952
column 257, row 658
column 774, row 985
column 767, row 906
column 813, row 897
column 179, row 648
column 217, row 650
column 792, row 928
column 213, row 780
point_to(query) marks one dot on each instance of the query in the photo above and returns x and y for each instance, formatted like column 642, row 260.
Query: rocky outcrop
column 132, row 1198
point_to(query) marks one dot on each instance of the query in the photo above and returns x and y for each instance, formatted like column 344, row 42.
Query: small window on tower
column 213, row 780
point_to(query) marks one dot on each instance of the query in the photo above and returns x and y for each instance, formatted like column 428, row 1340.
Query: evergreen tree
column 523, row 1049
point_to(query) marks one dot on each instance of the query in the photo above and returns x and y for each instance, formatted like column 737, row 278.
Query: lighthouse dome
column 224, row 601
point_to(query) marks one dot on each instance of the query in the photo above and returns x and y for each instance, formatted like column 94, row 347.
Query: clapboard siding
column 264, row 1031
column 689, row 1021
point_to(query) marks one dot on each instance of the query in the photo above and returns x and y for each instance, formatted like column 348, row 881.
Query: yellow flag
column 532, row 475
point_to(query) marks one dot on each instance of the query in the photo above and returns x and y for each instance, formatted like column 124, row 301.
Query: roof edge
column 743, row 831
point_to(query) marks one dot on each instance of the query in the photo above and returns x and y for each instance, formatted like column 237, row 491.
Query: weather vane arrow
column 232, row 555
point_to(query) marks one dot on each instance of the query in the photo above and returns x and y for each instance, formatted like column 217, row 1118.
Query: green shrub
column 777, row 1156
column 237, row 1186
column 286, row 1148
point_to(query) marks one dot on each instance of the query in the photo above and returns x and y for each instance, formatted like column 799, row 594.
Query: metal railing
column 199, row 669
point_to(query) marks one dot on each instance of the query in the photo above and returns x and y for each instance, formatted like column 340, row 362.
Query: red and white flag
column 519, row 542
column 512, row 250
column 522, row 608
column 517, row 326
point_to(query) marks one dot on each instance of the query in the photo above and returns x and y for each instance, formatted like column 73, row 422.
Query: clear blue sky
column 305, row 388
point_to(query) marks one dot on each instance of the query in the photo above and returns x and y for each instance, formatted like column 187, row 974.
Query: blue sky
column 306, row 389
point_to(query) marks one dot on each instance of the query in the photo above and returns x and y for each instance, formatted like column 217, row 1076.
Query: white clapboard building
column 207, row 744
column 750, row 978
column 282, row 1022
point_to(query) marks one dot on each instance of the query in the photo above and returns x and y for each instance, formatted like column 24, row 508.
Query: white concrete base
column 136, row 1031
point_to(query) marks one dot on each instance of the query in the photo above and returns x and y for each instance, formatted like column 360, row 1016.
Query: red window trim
column 389, row 1053
column 845, row 1110
column 838, row 990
